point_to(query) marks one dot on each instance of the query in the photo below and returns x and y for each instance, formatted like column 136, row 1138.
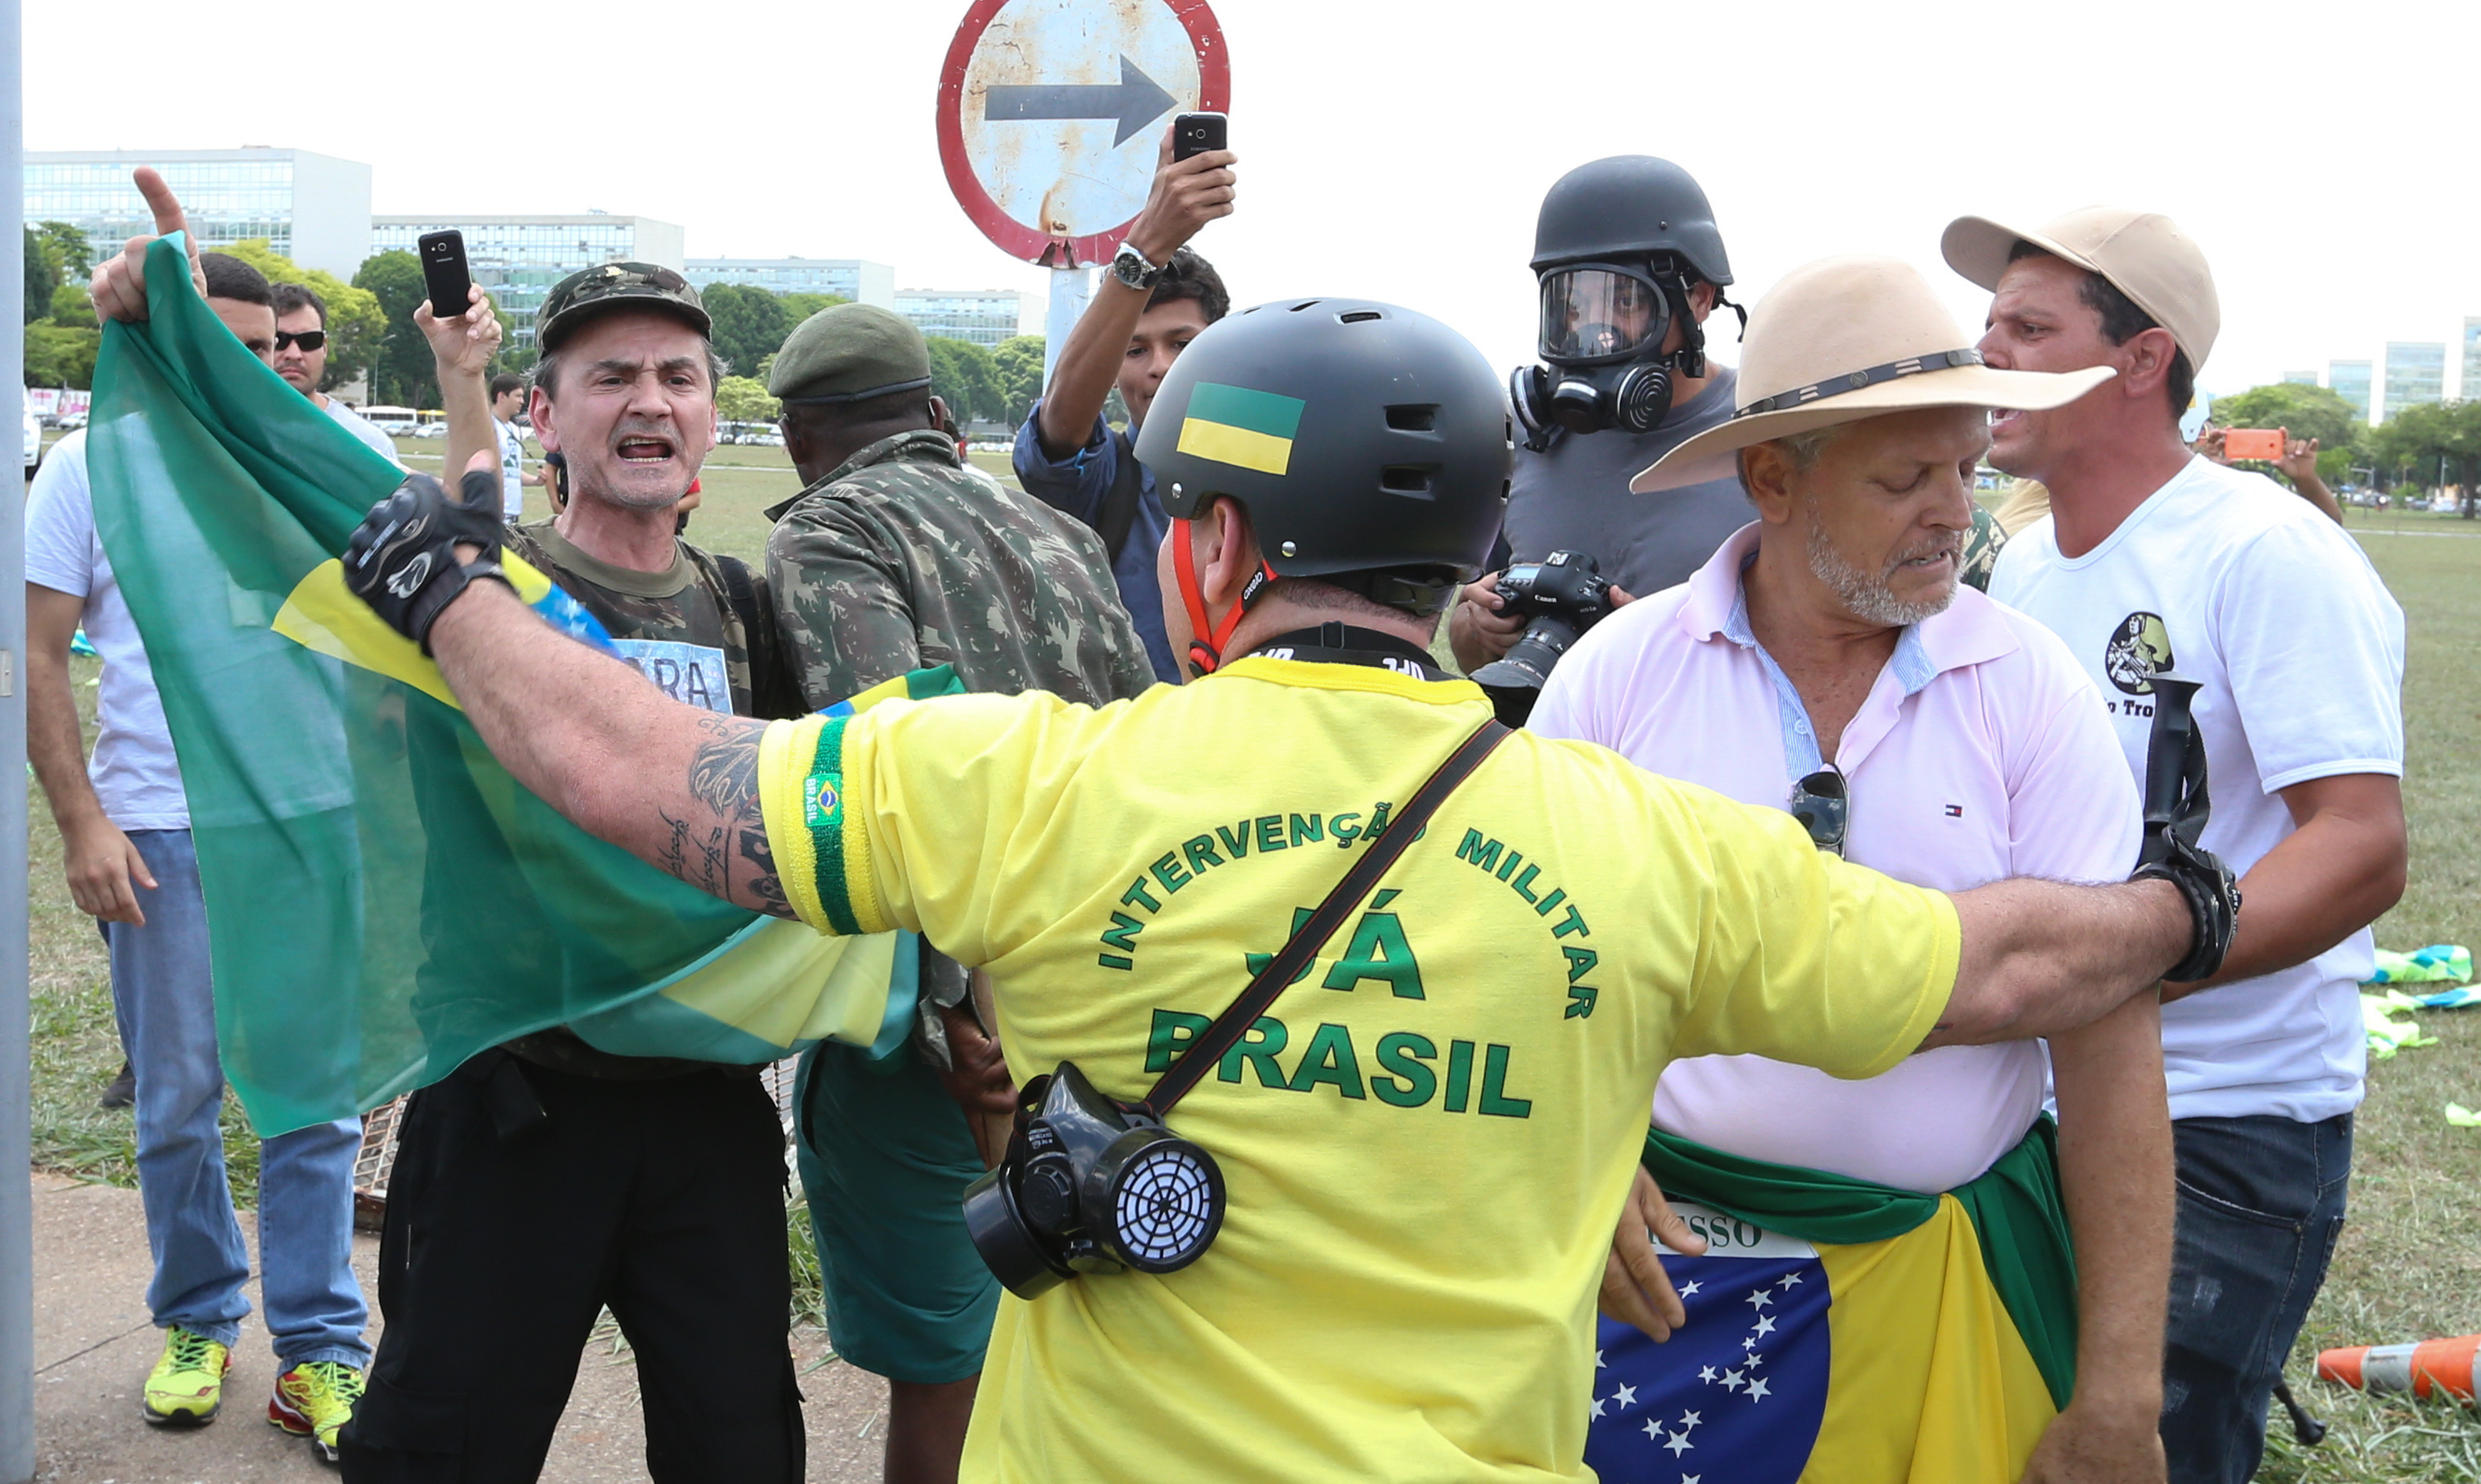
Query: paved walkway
column 93, row 1345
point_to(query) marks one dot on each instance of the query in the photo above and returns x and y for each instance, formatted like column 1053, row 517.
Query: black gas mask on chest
column 1602, row 335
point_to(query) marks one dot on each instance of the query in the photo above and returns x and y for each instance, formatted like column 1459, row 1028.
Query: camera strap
column 1298, row 950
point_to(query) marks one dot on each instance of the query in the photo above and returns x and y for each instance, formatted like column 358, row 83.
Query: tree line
column 995, row 384
column 371, row 331
column 2417, row 450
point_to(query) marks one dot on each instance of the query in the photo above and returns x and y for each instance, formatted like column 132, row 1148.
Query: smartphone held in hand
column 443, row 273
column 2252, row 443
column 1197, row 134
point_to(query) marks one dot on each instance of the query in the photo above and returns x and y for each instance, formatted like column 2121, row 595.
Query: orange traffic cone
column 2424, row 1369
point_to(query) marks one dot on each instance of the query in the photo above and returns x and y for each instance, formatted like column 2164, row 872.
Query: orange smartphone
column 2264, row 443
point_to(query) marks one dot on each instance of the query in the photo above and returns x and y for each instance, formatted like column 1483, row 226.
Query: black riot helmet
column 1617, row 248
column 1370, row 445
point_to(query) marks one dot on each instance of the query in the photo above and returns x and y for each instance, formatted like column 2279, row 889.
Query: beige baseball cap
column 2143, row 254
column 1849, row 338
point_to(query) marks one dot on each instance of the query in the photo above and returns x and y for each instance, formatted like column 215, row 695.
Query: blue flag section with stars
column 1738, row 1395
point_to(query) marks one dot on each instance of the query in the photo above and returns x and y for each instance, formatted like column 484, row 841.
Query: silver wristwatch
column 1130, row 267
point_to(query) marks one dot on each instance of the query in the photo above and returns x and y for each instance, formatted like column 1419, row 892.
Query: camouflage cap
column 589, row 292
column 849, row 352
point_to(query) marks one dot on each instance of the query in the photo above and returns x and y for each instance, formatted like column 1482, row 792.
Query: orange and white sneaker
column 187, row 1385
column 315, row 1400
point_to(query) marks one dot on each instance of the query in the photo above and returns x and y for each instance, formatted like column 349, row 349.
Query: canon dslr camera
column 1562, row 596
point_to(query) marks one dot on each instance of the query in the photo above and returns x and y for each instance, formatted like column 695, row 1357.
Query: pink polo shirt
column 1981, row 752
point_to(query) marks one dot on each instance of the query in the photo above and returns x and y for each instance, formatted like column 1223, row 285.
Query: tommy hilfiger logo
column 1954, row 811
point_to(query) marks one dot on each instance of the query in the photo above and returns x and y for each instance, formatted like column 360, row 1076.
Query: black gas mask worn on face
column 1602, row 334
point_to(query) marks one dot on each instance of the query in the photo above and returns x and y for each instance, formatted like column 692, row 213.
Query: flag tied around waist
column 384, row 900
column 1839, row 1329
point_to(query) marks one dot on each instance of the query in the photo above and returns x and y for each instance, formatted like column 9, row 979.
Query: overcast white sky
column 2321, row 154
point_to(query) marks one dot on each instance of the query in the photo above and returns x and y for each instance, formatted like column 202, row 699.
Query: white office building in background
column 2415, row 373
column 518, row 259
column 312, row 208
column 983, row 316
column 2349, row 380
column 855, row 279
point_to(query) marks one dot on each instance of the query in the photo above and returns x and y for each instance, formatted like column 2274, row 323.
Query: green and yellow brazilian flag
column 384, row 900
column 1240, row 425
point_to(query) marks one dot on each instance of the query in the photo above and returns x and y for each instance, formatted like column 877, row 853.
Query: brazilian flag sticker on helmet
column 1235, row 424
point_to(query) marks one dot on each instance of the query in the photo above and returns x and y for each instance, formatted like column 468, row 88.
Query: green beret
column 848, row 353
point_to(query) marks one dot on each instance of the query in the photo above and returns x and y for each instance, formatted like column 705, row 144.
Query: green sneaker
column 315, row 1400
column 187, row 1385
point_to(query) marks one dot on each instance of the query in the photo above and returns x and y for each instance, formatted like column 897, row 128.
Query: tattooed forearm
column 724, row 778
column 671, row 858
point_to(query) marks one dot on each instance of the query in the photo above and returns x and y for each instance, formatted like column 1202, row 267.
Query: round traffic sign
column 1051, row 113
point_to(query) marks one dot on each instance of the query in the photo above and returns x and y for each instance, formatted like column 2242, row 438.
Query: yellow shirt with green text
column 1428, row 1139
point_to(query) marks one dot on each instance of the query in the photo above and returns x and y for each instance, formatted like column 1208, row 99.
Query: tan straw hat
column 2143, row 254
column 1844, row 339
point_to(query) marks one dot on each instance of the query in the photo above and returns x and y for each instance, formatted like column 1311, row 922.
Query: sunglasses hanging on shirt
column 1823, row 806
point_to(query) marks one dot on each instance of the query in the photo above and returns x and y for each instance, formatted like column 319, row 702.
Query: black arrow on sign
column 1135, row 100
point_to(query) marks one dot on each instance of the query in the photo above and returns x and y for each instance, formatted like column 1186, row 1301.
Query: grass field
column 2410, row 1263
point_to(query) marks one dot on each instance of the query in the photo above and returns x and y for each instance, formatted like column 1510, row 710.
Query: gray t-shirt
column 362, row 428
column 1574, row 496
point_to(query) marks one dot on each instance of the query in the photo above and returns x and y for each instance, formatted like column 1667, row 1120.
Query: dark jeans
column 2261, row 1204
column 508, row 1233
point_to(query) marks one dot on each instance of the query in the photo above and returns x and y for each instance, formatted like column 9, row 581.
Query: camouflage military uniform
column 691, row 605
column 900, row 558
column 1980, row 554
column 904, row 556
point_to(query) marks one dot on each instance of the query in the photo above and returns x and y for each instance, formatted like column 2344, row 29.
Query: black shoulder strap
column 772, row 691
column 1119, row 512
column 1321, row 924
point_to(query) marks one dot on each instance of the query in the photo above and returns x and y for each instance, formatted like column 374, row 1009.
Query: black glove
column 403, row 558
column 2177, row 807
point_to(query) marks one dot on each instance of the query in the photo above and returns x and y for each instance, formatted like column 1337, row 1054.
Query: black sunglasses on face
column 308, row 339
column 1823, row 808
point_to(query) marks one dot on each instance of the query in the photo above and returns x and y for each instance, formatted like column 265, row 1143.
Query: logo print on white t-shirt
column 2139, row 649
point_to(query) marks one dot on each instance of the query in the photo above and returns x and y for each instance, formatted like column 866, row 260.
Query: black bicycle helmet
column 1366, row 441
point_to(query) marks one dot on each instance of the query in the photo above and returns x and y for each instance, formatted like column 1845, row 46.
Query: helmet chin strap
column 1207, row 640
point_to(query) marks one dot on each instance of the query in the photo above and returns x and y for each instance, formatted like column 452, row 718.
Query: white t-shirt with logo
column 2229, row 580
column 512, row 470
column 137, row 779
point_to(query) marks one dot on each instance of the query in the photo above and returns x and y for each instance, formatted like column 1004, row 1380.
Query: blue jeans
column 163, row 995
column 2260, row 1202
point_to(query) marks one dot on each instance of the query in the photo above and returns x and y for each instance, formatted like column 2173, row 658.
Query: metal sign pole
column 1047, row 120
column 16, row 1186
column 1070, row 289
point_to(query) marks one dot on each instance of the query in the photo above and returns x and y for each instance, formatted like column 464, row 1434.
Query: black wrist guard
column 2213, row 903
column 2176, row 805
column 403, row 558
